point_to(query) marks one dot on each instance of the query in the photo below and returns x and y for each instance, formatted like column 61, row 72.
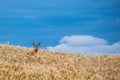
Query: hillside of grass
column 17, row 64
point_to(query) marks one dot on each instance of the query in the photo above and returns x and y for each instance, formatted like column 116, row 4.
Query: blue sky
column 48, row 21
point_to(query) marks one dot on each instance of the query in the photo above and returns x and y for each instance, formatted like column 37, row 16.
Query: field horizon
column 17, row 64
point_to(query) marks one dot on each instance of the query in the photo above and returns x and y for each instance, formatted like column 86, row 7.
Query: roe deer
column 35, row 50
column 36, row 47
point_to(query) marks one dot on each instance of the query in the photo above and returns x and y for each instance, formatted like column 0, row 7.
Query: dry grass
column 16, row 64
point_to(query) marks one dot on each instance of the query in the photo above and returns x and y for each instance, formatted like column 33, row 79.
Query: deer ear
column 39, row 44
column 33, row 44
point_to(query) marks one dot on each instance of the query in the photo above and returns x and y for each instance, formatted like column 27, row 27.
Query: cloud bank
column 86, row 44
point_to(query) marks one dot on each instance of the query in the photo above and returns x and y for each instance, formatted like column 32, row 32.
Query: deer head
column 36, row 47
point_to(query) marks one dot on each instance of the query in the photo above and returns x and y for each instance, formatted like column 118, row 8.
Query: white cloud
column 86, row 44
column 80, row 40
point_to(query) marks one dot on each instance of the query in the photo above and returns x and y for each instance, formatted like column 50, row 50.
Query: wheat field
column 16, row 64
